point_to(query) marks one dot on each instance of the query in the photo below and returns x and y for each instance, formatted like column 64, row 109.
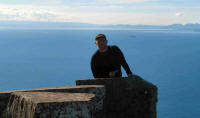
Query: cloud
column 135, row 18
column 120, row 1
column 130, row 1
column 179, row 14
column 128, row 18
column 33, row 13
column 46, row 2
column 110, row 14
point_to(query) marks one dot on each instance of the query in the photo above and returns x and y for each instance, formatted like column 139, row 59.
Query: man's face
column 101, row 43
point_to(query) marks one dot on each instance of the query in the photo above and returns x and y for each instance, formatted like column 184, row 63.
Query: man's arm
column 124, row 63
column 93, row 68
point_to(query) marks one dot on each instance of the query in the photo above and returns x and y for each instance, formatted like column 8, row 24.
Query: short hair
column 100, row 36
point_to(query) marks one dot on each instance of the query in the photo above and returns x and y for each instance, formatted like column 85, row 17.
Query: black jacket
column 102, row 63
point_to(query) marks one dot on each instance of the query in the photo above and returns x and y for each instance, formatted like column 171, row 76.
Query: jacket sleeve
column 123, row 61
column 93, row 67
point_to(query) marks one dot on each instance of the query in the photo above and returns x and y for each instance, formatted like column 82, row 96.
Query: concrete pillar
column 126, row 97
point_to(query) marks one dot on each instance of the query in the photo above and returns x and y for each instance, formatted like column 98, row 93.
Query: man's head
column 101, row 42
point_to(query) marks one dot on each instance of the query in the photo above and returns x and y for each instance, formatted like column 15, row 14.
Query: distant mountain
column 76, row 25
column 194, row 27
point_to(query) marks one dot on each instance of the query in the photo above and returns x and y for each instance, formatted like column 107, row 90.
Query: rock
column 126, row 97
column 91, row 98
column 70, row 102
column 50, row 105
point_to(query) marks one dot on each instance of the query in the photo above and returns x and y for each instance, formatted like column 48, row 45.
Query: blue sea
column 168, row 59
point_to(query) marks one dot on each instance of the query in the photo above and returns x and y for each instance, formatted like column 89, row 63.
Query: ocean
column 168, row 59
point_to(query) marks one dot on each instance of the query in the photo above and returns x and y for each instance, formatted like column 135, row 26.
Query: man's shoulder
column 114, row 48
column 96, row 53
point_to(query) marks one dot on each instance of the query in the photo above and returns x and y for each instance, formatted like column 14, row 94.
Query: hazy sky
column 148, row 12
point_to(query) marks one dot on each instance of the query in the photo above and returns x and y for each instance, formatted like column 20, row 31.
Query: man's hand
column 131, row 76
column 113, row 73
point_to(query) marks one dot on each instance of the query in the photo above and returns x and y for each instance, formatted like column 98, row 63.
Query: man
column 106, row 62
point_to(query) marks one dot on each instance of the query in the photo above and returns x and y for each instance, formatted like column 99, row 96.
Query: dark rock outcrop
column 126, row 97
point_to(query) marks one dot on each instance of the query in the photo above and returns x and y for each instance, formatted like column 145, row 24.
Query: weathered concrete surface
column 51, row 105
column 126, row 97
column 92, row 98
column 20, row 98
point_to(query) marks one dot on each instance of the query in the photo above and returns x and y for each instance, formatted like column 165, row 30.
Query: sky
column 133, row 12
